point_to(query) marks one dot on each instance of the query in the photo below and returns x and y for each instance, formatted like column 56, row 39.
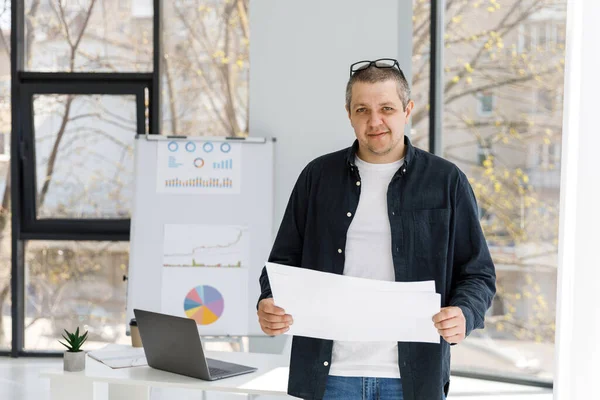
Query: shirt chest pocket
column 431, row 233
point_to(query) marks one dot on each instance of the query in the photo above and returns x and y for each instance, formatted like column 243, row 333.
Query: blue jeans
column 351, row 388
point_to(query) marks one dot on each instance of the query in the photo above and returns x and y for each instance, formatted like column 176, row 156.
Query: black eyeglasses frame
column 374, row 63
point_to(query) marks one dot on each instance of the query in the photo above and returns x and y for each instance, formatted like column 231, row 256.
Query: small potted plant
column 74, row 358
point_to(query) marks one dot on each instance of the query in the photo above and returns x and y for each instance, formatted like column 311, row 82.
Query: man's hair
column 374, row 75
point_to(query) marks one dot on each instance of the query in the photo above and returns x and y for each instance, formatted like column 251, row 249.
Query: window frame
column 24, row 85
column 33, row 227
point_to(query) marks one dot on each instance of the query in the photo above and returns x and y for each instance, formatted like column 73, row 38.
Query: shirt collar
column 410, row 151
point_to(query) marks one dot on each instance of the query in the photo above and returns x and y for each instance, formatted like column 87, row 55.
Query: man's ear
column 348, row 111
column 409, row 108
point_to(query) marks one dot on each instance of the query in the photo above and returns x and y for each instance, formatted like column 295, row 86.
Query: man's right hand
column 272, row 319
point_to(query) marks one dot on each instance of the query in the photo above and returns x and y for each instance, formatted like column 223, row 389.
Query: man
column 382, row 209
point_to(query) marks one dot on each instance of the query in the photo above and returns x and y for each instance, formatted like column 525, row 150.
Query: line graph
column 205, row 246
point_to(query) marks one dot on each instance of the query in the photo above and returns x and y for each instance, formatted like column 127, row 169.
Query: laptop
column 173, row 344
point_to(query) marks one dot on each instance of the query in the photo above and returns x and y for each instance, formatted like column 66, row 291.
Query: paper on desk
column 120, row 356
column 337, row 307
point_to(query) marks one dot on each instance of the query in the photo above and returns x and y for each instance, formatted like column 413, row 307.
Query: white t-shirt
column 369, row 255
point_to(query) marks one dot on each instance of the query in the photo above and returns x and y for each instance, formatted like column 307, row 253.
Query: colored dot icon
column 199, row 162
column 190, row 147
column 225, row 147
column 207, row 147
column 173, row 146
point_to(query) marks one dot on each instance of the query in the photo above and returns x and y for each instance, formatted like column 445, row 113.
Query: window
column 543, row 32
column 483, row 151
column 543, row 35
column 72, row 284
column 84, row 155
column 485, row 104
column 84, row 89
column 86, row 34
column 544, row 101
column 204, row 79
column 496, row 146
column 549, row 156
column 561, row 35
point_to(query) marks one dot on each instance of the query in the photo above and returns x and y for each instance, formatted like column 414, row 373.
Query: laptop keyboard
column 217, row 371
column 231, row 369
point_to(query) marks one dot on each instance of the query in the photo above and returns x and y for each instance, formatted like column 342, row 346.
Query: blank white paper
column 337, row 307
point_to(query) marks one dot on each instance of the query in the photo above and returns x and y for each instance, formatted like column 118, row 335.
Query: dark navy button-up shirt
column 436, row 235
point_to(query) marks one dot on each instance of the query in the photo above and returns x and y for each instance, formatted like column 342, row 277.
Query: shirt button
column 357, row 183
column 325, row 363
column 349, row 214
column 393, row 213
column 340, row 251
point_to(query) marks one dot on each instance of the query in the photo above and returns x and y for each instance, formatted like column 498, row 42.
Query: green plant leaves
column 74, row 340
column 68, row 347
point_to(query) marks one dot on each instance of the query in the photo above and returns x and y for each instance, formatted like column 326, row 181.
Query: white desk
column 134, row 383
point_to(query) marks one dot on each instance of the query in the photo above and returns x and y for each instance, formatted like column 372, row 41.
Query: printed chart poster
column 206, row 246
column 195, row 167
column 216, row 299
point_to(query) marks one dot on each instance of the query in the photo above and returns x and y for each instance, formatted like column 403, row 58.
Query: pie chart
column 204, row 304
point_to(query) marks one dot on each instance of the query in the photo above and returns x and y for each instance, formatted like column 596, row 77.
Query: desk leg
column 62, row 388
column 128, row 392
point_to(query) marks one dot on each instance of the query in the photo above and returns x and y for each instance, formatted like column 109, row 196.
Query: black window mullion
column 17, row 18
column 85, row 77
column 27, row 159
column 83, row 88
column 140, row 110
column 436, row 73
column 155, row 116
column 117, row 230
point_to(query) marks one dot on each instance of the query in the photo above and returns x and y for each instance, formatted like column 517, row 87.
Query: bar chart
column 224, row 183
column 225, row 164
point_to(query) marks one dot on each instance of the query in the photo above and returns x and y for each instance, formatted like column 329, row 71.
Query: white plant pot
column 74, row 362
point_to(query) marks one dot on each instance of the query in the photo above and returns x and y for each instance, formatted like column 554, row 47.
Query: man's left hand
column 451, row 324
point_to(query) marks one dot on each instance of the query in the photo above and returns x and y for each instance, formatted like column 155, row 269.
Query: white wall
column 300, row 55
column 578, row 315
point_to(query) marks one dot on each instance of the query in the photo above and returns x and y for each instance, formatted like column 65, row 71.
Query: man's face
column 378, row 119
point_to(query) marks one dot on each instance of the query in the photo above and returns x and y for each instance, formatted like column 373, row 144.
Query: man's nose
column 375, row 120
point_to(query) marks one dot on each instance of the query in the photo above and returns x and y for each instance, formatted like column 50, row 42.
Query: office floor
column 19, row 380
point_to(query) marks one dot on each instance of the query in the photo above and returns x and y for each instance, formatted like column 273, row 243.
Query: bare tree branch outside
column 503, row 88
